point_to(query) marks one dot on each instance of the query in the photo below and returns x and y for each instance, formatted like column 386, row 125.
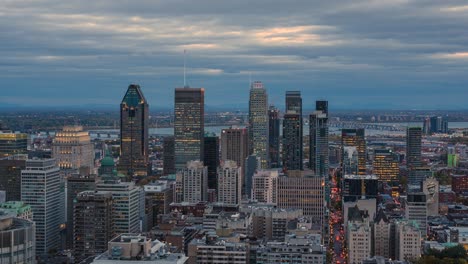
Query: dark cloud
column 384, row 53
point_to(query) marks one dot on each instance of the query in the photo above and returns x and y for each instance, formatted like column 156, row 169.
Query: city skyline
column 383, row 52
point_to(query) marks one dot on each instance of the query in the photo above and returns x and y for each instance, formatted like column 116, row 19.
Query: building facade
column 356, row 138
column 211, row 159
column 72, row 148
column 265, row 186
column 229, row 183
column 18, row 240
column 168, row 156
column 386, row 166
column 292, row 142
column 274, row 136
column 194, row 182
column 413, row 147
column 258, row 123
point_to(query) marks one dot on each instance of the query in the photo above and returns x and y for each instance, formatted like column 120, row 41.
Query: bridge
column 371, row 126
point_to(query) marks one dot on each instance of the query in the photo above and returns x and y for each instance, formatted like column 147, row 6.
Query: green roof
column 107, row 161
column 134, row 96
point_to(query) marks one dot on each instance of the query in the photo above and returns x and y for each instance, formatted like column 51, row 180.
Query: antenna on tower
column 184, row 71
column 250, row 78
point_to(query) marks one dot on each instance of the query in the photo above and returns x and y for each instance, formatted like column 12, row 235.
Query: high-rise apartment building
column 72, row 148
column 292, row 142
column 40, row 188
column 211, row 159
column 93, row 224
column 168, row 156
column 413, row 147
column 134, row 121
column 235, row 146
column 356, row 138
column 127, row 201
column 194, row 179
column 274, row 136
column 76, row 184
column 189, row 125
column 229, row 183
column 386, row 166
column 258, row 123
column 265, row 186
column 12, row 143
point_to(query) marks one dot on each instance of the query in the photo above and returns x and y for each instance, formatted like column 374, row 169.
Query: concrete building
column 162, row 195
column 381, row 233
column 93, row 224
column 134, row 248
column 18, row 240
column 358, row 236
column 217, row 251
column 72, row 148
column 258, row 123
column 194, row 179
column 40, row 188
column 189, row 125
column 134, row 123
column 416, row 210
column 430, row 187
column 408, row 240
column 127, row 201
column 265, row 186
column 295, row 249
column 229, row 183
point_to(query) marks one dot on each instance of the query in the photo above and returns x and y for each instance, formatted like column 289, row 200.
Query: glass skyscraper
column 292, row 132
column 274, row 136
column 258, row 123
column 134, row 134
column 189, row 125
column 356, row 138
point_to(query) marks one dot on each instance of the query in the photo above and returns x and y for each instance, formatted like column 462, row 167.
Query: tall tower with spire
column 134, row 134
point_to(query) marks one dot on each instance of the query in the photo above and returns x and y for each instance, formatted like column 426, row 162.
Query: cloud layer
column 357, row 54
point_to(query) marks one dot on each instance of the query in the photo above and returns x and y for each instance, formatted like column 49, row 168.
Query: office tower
column 322, row 105
column 430, row 187
column 306, row 192
column 265, row 186
column 229, row 183
column 359, row 187
column 72, row 148
column 408, row 241
column 189, row 125
column 211, row 159
column 416, row 175
column 235, row 146
column 75, row 184
column 294, row 102
column 416, row 209
column 292, row 142
column 359, row 236
column 381, row 230
column 252, row 164
column 93, row 224
column 40, row 188
column 294, row 249
column 356, row 138
column 162, row 195
column 350, row 161
column 168, row 156
column 134, row 123
column 12, row 143
column 127, row 203
column 194, row 182
column 413, row 147
column 385, row 166
column 438, row 124
column 318, row 140
column 18, row 240
column 427, row 126
column 274, row 136
column 10, row 176
column 258, row 123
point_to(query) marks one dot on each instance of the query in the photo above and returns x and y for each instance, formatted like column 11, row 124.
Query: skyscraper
column 258, row 123
column 134, row 134
column 321, row 105
column 194, row 182
column 350, row 161
column 413, row 147
column 10, row 176
column 274, row 137
column 356, row 138
column 40, row 188
column 294, row 102
column 189, row 125
column 93, row 224
column 229, row 183
column 318, row 140
column 168, row 156
column 72, row 148
column 235, row 146
column 12, row 143
column 292, row 142
column 211, row 158
column 386, row 165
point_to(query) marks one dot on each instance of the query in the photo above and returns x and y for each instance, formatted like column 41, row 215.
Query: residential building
column 229, row 183
column 265, row 186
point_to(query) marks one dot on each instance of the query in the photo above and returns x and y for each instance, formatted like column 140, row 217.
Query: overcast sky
column 391, row 54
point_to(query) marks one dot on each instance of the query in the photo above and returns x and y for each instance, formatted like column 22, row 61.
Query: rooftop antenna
column 250, row 78
column 185, row 85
